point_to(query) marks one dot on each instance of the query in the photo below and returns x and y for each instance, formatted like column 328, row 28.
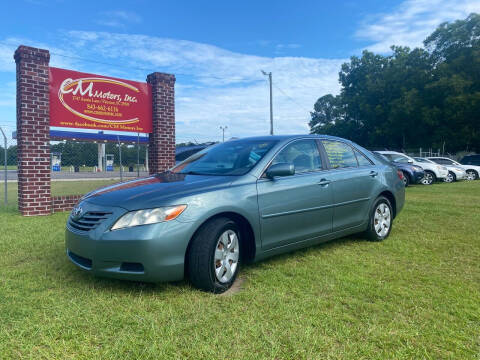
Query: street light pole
column 223, row 128
column 269, row 74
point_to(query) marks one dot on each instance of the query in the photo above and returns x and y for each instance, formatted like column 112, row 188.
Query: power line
column 289, row 97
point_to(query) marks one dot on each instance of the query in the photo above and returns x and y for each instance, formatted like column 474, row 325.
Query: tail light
column 400, row 174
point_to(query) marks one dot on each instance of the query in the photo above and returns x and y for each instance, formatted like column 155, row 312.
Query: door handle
column 373, row 173
column 324, row 182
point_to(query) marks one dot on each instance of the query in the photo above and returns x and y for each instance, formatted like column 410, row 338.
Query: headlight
column 148, row 216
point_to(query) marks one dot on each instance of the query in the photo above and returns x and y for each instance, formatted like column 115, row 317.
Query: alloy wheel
column 471, row 175
column 427, row 179
column 227, row 252
column 449, row 178
column 382, row 219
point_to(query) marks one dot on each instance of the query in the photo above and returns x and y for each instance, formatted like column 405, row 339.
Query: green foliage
column 411, row 98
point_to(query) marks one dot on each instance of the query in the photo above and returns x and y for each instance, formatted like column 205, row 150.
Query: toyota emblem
column 77, row 212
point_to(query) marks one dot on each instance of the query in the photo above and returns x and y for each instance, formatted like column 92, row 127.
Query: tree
column 410, row 98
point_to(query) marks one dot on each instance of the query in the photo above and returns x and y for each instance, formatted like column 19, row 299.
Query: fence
column 76, row 167
column 8, row 172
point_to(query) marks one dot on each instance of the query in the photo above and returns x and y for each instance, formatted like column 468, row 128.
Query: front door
column 297, row 207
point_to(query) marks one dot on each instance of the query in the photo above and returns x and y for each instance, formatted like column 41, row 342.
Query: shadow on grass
column 78, row 277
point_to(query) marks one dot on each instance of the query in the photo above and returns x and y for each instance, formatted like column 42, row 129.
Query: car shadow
column 78, row 277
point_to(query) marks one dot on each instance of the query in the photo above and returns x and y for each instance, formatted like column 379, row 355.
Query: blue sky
column 217, row 49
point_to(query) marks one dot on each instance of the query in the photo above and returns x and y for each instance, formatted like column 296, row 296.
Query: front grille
column 88, row 221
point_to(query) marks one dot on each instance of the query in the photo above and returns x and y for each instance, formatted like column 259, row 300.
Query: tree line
column 424, row 97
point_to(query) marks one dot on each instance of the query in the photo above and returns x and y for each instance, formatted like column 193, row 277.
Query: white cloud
column 214, row 86
column 412, row 21
column 118, row 18
column 219, row 87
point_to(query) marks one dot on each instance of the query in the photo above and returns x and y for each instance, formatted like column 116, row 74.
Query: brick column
column 33, row 131
column 161, row 150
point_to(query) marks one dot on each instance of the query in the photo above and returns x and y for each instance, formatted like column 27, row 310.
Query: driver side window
column 303, row 154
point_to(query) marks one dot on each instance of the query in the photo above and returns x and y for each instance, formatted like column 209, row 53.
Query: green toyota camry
column 234, row 203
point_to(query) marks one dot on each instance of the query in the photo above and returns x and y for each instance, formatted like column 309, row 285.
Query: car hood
column 455, row 167
column 155, row 190
column 409, row 167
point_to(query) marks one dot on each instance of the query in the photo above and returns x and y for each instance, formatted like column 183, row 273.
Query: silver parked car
column 455, row 172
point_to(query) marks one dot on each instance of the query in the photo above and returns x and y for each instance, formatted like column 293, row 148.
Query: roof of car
column 391, row 152
column 287, row 137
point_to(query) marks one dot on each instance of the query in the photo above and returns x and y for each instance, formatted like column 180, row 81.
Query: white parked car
column 433, row 172
column 442, row 170
column 470, row 172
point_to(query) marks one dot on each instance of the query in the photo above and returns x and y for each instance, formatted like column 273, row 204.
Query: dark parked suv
column 471, row 160
column 412, row 174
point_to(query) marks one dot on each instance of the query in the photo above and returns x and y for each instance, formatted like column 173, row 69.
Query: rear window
column 340, row 155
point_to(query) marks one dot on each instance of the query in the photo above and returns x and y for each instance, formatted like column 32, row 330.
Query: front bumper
column 150, row 253
column 418, row 176
column 460, row 174
column 442, row 173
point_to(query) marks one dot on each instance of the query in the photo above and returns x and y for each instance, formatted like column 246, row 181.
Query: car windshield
column 381, row 156
column 396, row 158
column 235, row 157
column 422, row 160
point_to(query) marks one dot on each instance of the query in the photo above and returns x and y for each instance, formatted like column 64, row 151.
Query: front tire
column 214, row 255
column 381, row 220
column 429, row 178
column 450, row 177
column 472, row 175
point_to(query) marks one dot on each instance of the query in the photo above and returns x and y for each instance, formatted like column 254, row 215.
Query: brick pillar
column 33, row 131
column 161, row 150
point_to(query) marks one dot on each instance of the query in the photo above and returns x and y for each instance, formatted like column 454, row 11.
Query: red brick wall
column 64, row 203
column 33, row 131
column 161, row 148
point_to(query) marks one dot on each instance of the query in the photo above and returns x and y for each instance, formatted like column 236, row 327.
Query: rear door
column 297, row 207
column 353, row 178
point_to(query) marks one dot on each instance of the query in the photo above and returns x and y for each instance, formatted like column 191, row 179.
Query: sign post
column 48, row 96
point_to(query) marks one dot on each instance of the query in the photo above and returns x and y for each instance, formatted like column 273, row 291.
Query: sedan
column 233, row 203
column 412, row 174
column 472, row 171
column 455, row 172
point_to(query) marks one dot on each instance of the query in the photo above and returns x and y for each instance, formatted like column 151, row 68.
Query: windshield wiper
column 191, row 173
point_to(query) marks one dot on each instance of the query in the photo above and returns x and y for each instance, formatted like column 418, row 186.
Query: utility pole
column 223, row 128
column 269, row 74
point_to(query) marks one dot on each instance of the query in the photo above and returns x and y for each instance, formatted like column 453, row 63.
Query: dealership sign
column 88, row 101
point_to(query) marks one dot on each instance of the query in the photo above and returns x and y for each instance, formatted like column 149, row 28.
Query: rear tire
column 214, row 255
column 381, row 220
column 406, row 179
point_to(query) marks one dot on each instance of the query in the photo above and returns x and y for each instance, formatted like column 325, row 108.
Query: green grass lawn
column 414, row 296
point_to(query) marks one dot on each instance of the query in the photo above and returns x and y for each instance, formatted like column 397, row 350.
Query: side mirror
column 410, row 161
column 280, row 169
